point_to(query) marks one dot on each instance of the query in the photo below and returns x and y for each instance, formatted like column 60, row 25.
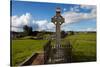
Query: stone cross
column 58, row 20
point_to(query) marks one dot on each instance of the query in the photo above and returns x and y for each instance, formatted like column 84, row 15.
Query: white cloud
column 87, row 6
column 64, row 9
column 87, row 29
column 16, row 29
column 72, row 16
column 75, row 8
column 20, row 21
column 44, row 25
column 17, row 23
column 90, row 29
column 92, row 8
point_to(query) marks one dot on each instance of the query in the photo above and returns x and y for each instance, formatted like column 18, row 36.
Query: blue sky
column 38, row 15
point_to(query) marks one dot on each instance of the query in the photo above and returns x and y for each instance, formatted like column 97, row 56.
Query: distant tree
column 71, row 33
column 27, row 30
column 35, row 33
column 30, row 30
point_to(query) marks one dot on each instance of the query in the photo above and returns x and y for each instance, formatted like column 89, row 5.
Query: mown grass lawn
column 84, row 47
column 22, row 49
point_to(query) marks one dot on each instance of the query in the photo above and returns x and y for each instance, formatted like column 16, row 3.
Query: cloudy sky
column 38, row 15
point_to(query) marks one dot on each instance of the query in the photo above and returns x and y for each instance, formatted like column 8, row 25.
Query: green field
column 84, row 47
column 22, row 49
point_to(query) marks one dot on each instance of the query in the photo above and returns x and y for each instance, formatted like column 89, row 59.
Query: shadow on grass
column 81, row 57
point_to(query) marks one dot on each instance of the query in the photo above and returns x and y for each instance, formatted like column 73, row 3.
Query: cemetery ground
column 83, row 47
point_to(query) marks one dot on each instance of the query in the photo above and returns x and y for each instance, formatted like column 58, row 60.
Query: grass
column 82, row 36
column 84, row 47
column 22, row 49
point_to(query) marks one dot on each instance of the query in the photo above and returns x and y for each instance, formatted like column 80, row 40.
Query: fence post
column 47, row 50
column 68, row 52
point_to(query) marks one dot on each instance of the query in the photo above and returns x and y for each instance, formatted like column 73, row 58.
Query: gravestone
column 57, row 51
column 58, row 20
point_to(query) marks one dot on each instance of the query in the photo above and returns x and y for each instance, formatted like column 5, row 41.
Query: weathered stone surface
column 57, row 52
